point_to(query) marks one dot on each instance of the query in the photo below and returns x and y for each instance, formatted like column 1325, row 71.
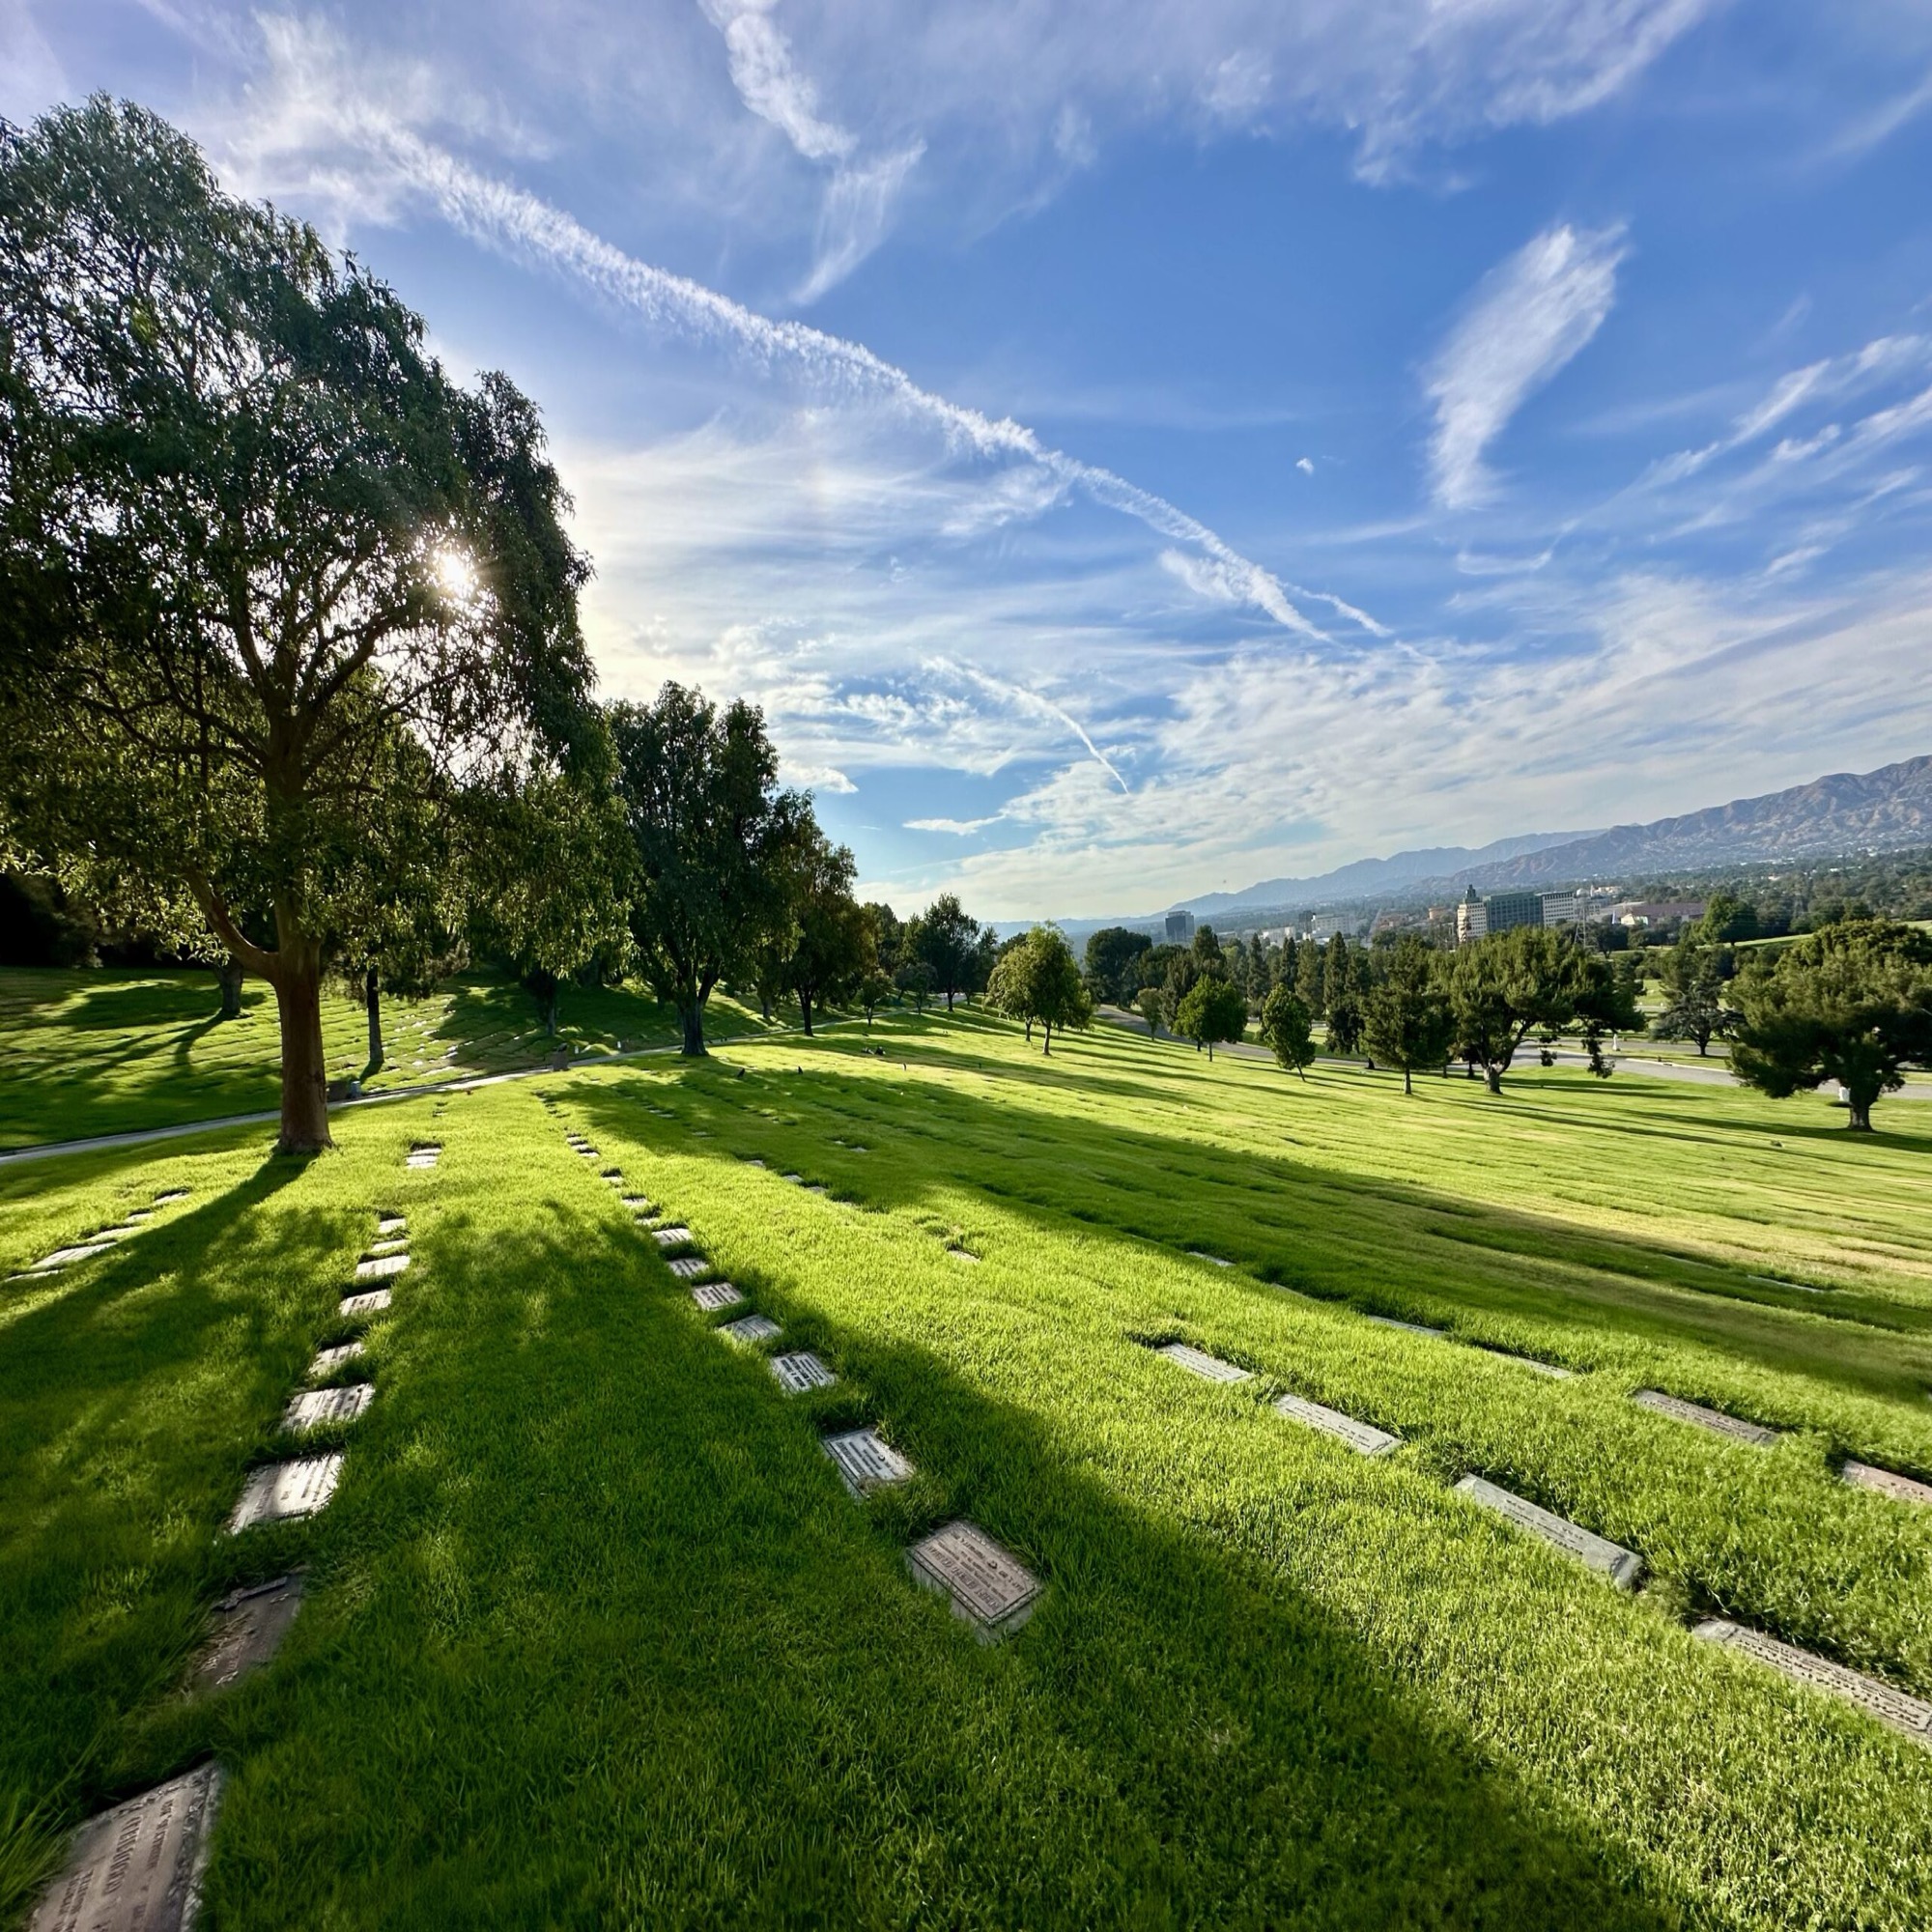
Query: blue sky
column 1135, row 449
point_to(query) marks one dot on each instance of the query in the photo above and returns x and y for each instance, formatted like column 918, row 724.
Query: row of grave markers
column 101, row 1239
column 1624, row 1568
column 138, row 1866
column 983, row 1582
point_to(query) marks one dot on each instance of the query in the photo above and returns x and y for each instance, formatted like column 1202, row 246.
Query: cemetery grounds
column 592, row 1632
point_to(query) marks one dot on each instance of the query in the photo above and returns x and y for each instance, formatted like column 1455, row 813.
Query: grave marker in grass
column 329, row 1360
column 137, row 1868
column 1408, row 1327
column 689, row 1267
column 391, row 1224
column 1197, row 1362
column 1886, row 1482
column 1364, row 1438
column 985, row 1584
column 376, row 1268
column 714, row 1295
column 865, row 1463
column 1891, row 1706
column 1700, row 1417
column 248, row 1629
column 317, row 1406
column 1623, row 1567
column 372, row 1301
column 279, row 1492
column 675, row 1237
column 800, row 1372
column 749, row 1328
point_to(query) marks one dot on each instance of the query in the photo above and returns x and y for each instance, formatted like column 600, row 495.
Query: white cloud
column 770, row 85
column 1528, row 319
column 31, row 78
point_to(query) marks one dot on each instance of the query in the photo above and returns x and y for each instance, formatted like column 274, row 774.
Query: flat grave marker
column 1198, row 1362
column 987, row 1585
column 1623, row 1567
column 1408, row 1327
column 391, row 1224
column 791, row 1176
column 371, row 1301
column 963, row 1255
column 1202, row 1254
column 394, row 1244
column 1888, row 1483
column 248, row 1629
column 1364, row 1438
column 137, row 1868
column 1555, row 1371
column 801, row 1371
column 1700, row 1417
column 714, row 1295
column 865, row 1463
column 66, row 1257
column 638, row 1202
column 1891, row 1706
column 173, row 1194
column 329, row 1360
column 749, row 1328
column 281, row 1491
column 675, row 1237
column 317, row 1406
column 376, row 1268
column 689, row 1267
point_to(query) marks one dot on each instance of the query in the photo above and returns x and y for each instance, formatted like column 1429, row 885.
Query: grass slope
column 111, row 1051
column 594, row 1635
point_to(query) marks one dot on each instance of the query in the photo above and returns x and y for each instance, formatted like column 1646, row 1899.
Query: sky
column 1132, row 449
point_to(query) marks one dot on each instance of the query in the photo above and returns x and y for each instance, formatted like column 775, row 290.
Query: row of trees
column 291, row 671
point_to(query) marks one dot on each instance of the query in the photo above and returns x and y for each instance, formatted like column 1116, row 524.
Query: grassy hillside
column 106, row 1052
column 595, row 1637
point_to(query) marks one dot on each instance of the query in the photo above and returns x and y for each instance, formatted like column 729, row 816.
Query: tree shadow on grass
column 1395, row 1248
column 129, row 1402
column 597, row 1638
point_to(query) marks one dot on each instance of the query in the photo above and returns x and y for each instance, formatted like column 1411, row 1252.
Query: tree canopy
column 833, row 954
column 1852, row 1003
column 273, row 585
column 1113, row 962
column 1406, row 1020
column 1038, row 980
column 713, row 836
column 1213, row 1010
column 947, row 943
column 1287, row 1029
column 1532, row 976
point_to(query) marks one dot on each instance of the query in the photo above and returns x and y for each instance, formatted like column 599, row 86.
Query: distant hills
column 1849, row 812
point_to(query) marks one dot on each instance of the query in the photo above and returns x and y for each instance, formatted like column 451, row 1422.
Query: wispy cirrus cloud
column 1528, row 318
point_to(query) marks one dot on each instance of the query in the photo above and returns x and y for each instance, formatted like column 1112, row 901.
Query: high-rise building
column 1180, row 928
column 1476, row 916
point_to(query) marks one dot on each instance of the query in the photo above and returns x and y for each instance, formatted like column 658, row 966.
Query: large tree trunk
column 805, row 1010
column 372, row 995
column 949, row 999
column 692, row 1014
column 228, row 975
column 297, row 983
column 1493, row 1075
column 1408, row 1086
column 1047, row 1033
column 1858, row 1110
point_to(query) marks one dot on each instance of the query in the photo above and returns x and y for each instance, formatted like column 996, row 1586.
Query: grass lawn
column 108, row 1052
column 594, row 1635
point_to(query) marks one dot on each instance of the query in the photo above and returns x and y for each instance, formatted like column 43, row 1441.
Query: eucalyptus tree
column 273, row 585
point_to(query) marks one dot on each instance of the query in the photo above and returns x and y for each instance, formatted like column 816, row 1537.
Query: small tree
column 914, row 979
column 1309, row 977
column 1407, row 1019
column 874, row 990
column 1851, row 1004
column 1287, row 1030
column 1345, row 1017
column 1214, row 1009
column 1040, row 980
column 1503, row 986
column 1148, row 1003
column 715, row 842
column 834, row 952
column 948, row 942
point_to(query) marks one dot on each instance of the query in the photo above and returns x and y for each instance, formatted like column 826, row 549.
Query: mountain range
column 1848, row 811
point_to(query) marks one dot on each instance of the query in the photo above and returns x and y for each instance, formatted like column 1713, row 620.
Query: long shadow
column 1393, row 1248
column 596, row 1638
column 120, row 1446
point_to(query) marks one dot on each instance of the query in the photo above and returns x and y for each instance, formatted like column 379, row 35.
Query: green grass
column 113, row 1052
column 595, row 1638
